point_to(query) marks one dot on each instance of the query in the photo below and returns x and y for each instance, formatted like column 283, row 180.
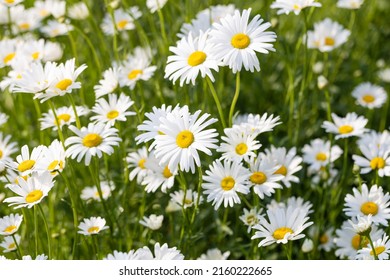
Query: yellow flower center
column 11, row 246
column 35, row 55
column 258, row 178
column 196, row 58
column 63, row 117
column 53, row 165
column 10, row 229
column 369, row 208
column 64, row 84
column 134, row 74
column 252, row 219
column 368, row 98
column 281, row 232
column 187, row 201
column 321, row 157
column 141, row 163
column 329, row 41
column 345, row 129
column 296, row 7
column 1, row 154
column 240, row 41
column 356, row 240
column 44, row 13
column 377, row 163
column 92, row 140
column 8, row 58
column 282, row 171
column 93, row 230
column 378, row 250
column 184, row 139
column 167, row 173
column 324, row 239
column 9, row 1
column 241, row 149
column 26, row 165
column 24, row 26
column 112, row 114
column 227, row 183
column 121, row 24
column 33, row 196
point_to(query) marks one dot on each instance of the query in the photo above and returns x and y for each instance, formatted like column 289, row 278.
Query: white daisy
column 319, row 153
column 181, row 136
column 78, row 11
column 123, row 21
column 152, row 222
column 350, row 125
column 10, row 224
column 65, row 116
column 53, row 159
column 30, row 191
column 379, row 139
column 251, row 217
column 237, row 41
column 25, row 162
column 161, row 252
column 214, row 254
column 41, row 257
column 367, row 202
column 10, row 3
column 137, row 161
column 223, row 182
column 9, row 51
column 381, row 247
column 92, row 192
column 369, row 95
column 283, row 224
column 109, row 83
column 53, row 28
column 327, row 35
column 326, row 241
column 375, row 159
column 256, row 124
column 131, row 255
column 115, row 109
column 349, row 4
column 52, row 51
column 262, row 177
column 7, row 148
column 9, row 244
column 154, row 5
column 90, row 141
column 384, row 75
column 24, row 20
column 192, row 56
column 362, row 224
column 93, row 225
column 307, row 245
column 295, row 6
column 239, row 145
column 185, row 201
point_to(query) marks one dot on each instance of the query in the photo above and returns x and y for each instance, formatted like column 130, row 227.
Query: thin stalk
column 372, row 247
column 36, row 229
column 162, row 26
column 18, row 249
column 47, row 231
column 235, row 98
column 60, row 135
column 71, row 100
column 39, row 114
column 217, row 102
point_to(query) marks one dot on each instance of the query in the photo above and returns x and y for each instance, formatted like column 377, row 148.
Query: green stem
column 60, row 135
column 287, row 248
column 217, row 102
column 372, row 247
column 36, row 229
column 47, row 231
column 162, row 26
column 235, row 98
column 71, row 100
column 18, row 249
column 39, row 114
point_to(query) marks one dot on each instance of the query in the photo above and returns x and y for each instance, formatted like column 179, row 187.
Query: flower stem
column 372, row 247
column 71, row 100
column 47, row 230
column 217, row 102
column 36, row 229
column 60, row 135
column 18, row 249
column 235, row 98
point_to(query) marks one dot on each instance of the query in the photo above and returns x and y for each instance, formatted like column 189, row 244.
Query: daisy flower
column 223, row 182
column 381, row 247
column 384, row 75
column 65, row 116
column 187, row 200
column 9, row 51
column 326, row 241
column 131, row 255
column 10, row 3
column 154, row 5
column 181, row 136
column 161, row 252
column 152, row 222
column 239, row 145
column 115, row 109
column 7, row 148
column 90, row 141
column 214, row 254
column 30, row 191
column 283, row 224
column 109, row 83
column 263, row 178
column 123, row 21
column 192, row 56
column 93, row 225
column 287, row 6
column 379, row 139
column 369, row 95
column 41, row 257
column 10, row 224
column 53, row 28
column 78, row 11
column 157, row 175
column 349, row 4
column 307, row 245
column 288, row 161
column 53, row 159
column 24, row 20
column 327, row 35
column 256, row 124
column 251, row 217
column 52, row 51
column 319, row 153
column 92, row 192
column 375, row 159
column 367, row 202
column 25, row 162
column 362, row 224
column 9, row 244
column 65, row 80
column 136, row 161
column 350, row 125
column 237, row 41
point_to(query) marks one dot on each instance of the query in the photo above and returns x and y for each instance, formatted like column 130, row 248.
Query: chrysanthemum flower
column 295, row 6
column 161, row 252
column 9, row 51
column 123, row 21
column 214, row 254
column 362, row 224
column 53, row 159
column 223, row 182
column 153, row 222
column 109, row 83
column 65, row 116
column 53, row 28
column 9, row 244
column 181, row 136
column 10, row 224
column 24, row 20
column 326, row 241
column 350, row 125
column 90, row 141
column 154, row 5
column 251, row 217
column 256, row 124
column 375, row 159
column 379, row 139
column 137, row 161
column 78, row 11
column 26, row 163
column 192, row 56
column 237, row 41
column 283, row 224
column 369, row 95
column 10, row 3
column 349, row 4
column 131, row 255
column 93, row 225
column 238, row 145
column 30, row 191
column 327, row 36
column 115, row 109
column 92, row 192
column 187, row 200
column 292, row 202
column 381, row 247
column 367, row 202
column 319, row 153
